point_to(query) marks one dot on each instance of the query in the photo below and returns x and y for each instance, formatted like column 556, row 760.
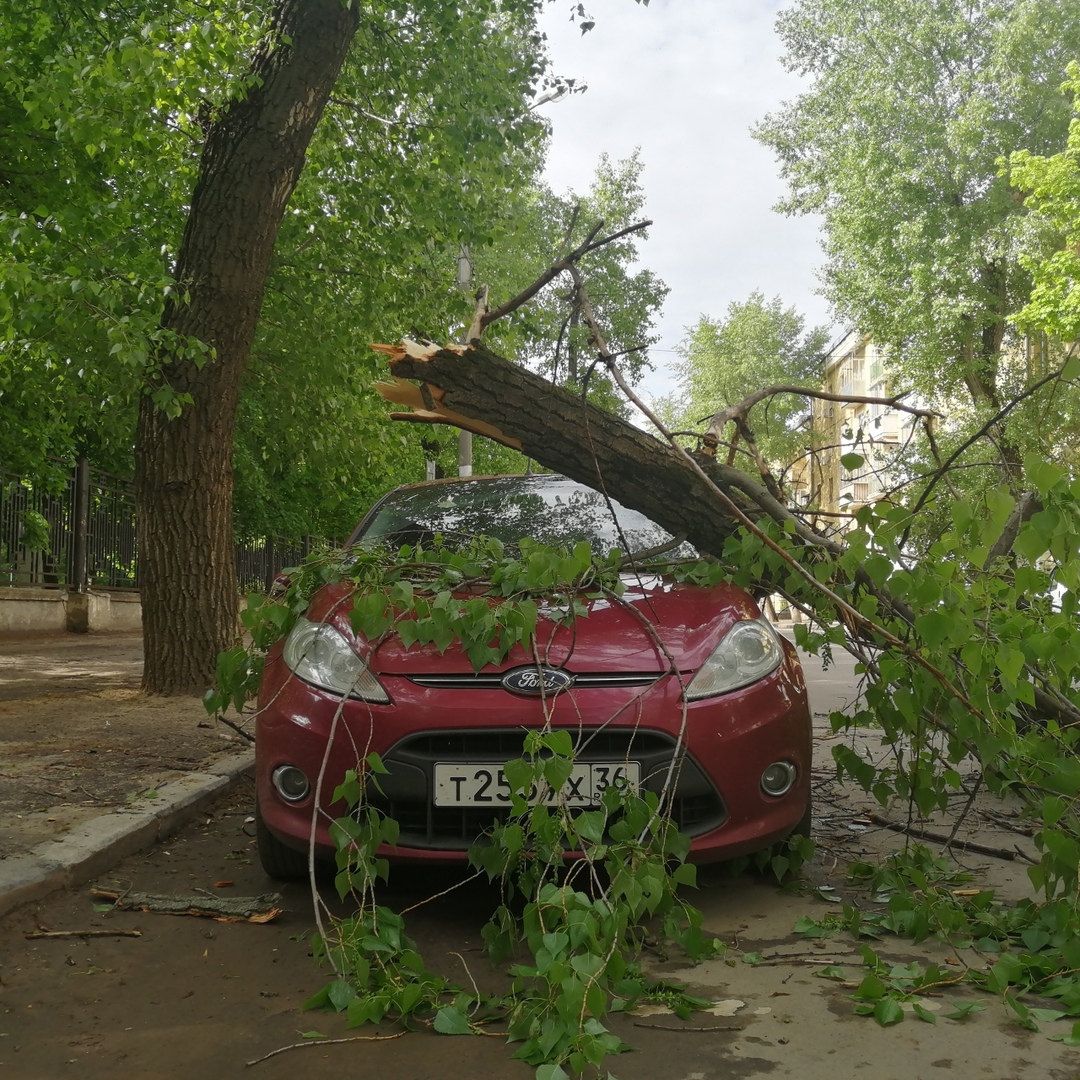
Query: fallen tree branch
column 325, row 1042
column 919, row 833
column 673, row 1027
column 687, row 494
column 235, row 727
column 254, row 909
column 35, row 935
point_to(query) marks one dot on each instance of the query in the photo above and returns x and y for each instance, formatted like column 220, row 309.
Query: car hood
column 631, row 634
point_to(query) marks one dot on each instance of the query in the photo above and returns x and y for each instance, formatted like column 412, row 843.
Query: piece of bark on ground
column 256, row 909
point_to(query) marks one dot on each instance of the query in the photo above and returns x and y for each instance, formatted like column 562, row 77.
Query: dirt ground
column 77, row 738
column 193, row 998
column 190, row 997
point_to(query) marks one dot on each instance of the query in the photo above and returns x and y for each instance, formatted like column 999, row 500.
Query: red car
column 444, row 731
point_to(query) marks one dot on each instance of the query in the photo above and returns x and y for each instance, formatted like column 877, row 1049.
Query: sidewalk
column 90, row 769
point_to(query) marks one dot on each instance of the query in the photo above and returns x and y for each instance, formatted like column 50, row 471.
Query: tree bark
column 474, row 388
column 251, row 161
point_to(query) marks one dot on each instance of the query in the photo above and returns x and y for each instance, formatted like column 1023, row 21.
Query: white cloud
column 685, row 80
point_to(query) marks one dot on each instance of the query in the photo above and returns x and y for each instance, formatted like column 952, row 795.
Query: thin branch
column 326, row 1042
column 634, row 557
column 574, row 214
column 35, row 935
column 590, row 243
column 673, row 1027
column 763, row 469
column 740, row 409
column 357, row 107
column 964, row 813
column 236, row 727
column 928, row 430
column 1010, row 855
column 982, row 431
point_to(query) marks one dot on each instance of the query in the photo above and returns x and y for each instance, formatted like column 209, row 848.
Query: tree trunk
column 477, row 389
column 251, row 161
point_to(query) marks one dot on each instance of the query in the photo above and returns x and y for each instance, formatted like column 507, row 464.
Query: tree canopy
column 757, row 343
column 898, row 142
column 101, row 129
column 105, row 118
column 122, row 291
column 1050, row 186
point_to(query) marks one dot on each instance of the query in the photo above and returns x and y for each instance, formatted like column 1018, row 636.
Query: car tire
column 806, row 821
column 761, row 862
column 280, row 862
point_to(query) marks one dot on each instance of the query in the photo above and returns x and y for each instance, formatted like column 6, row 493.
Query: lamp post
column 464, row 283
column 464, row 444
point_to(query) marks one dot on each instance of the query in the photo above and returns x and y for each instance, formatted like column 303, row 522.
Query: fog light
column 778, row 778
column 291, row 783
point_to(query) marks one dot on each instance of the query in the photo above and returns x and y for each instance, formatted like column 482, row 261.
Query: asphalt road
column 192, row 998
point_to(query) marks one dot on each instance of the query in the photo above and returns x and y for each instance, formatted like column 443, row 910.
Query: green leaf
column 375, row 764
column 832, row 971
column 559, row 742
column 810, row 928
column 1073, row 1038
column 934, row 627
column 888, row 1012
column 1048, row 1016
column 964, row 1010
column 340, row 992
column 685, row 874
column 551, row 1072
column 923, row 1013
column 451, row 1020
column 870, row 989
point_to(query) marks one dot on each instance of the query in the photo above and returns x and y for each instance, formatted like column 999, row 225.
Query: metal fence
column 82, row 535
column 258, row 561
column 24, row 531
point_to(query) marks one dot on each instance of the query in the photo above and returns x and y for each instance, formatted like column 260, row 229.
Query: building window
column 851, row 377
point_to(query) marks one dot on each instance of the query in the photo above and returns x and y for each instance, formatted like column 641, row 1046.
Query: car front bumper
column 727, row 743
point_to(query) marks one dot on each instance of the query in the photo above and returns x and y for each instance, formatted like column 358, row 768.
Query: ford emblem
column 537, row 680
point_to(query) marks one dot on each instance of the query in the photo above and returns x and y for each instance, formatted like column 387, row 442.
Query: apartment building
column 826, row 477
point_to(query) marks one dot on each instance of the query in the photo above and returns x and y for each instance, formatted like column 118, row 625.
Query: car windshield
column 550, row 509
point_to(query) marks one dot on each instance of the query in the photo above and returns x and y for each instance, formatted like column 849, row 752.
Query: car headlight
column 749, row 651
column 320, row 655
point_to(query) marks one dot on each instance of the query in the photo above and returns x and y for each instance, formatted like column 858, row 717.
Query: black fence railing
column 38, row 529
column 82, row 535
column 259, row 561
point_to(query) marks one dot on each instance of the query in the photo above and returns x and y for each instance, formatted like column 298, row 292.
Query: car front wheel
column 807, row 820
column 280, row 862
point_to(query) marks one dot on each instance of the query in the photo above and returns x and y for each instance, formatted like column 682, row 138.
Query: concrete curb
column 92, row 848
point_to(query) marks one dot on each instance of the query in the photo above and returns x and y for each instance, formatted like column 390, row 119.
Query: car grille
column 487, row 681
column 406, row 790
column 605, row 745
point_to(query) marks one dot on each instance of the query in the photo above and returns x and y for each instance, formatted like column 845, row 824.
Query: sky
column 685, row 80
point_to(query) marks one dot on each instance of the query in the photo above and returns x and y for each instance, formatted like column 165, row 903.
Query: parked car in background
column 734, row 720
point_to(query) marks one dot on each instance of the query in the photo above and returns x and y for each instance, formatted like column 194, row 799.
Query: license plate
column 483, row 784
